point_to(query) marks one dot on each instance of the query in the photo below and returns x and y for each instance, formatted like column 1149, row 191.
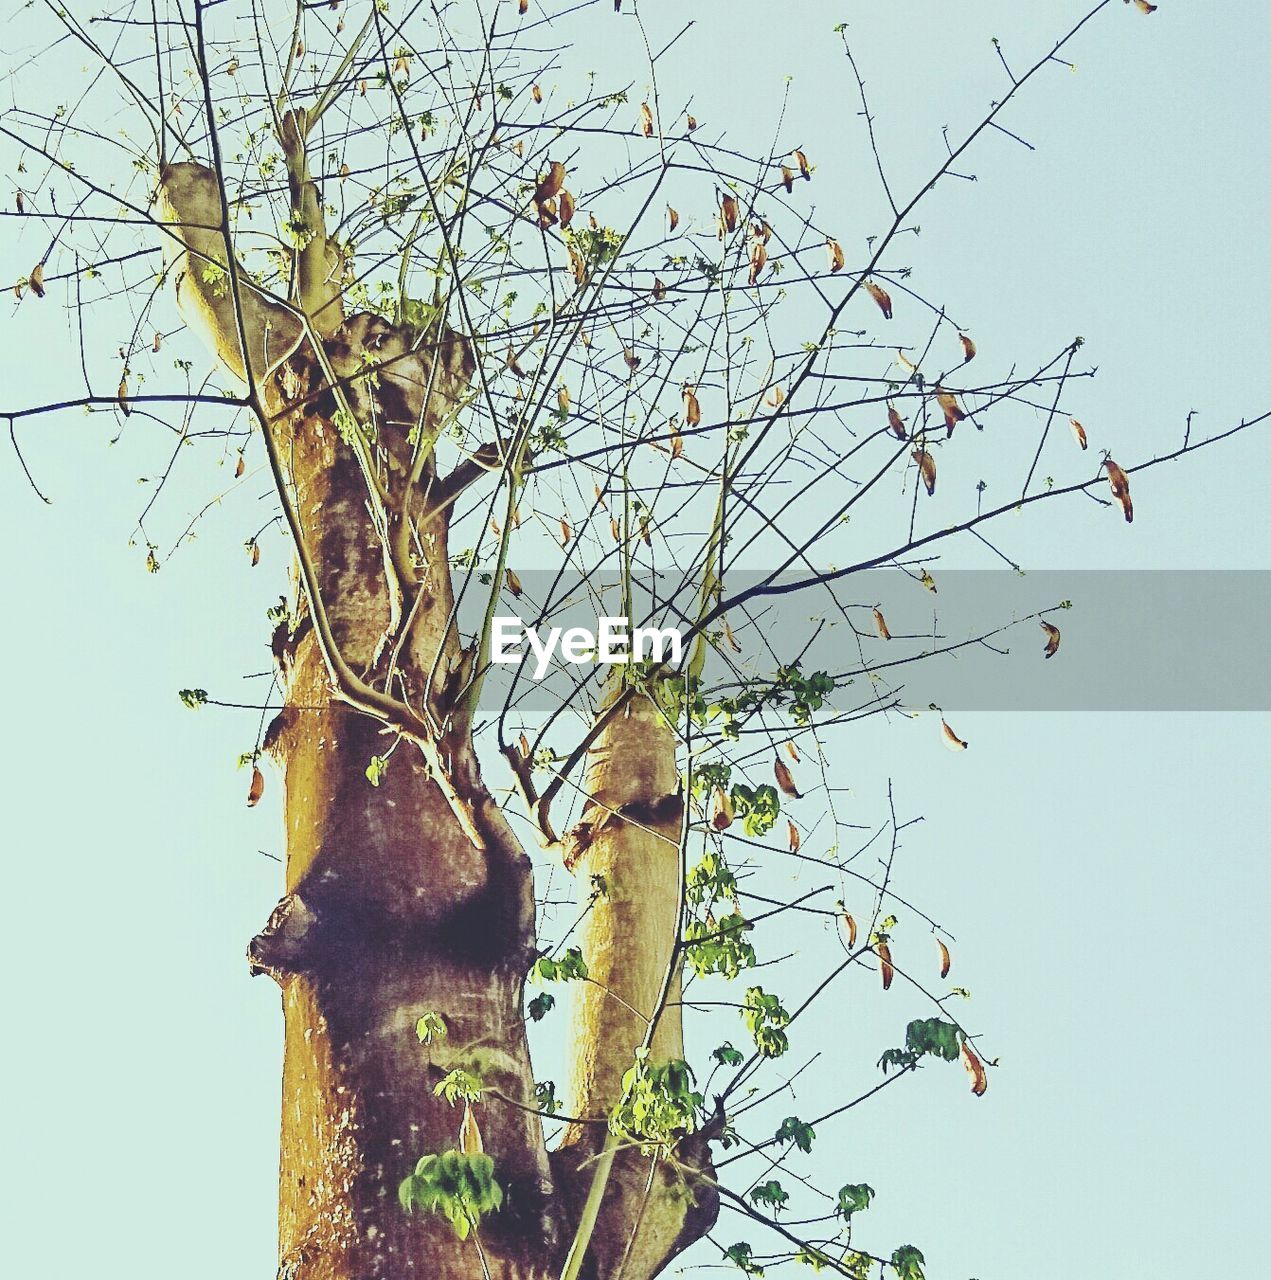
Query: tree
column 451, row 309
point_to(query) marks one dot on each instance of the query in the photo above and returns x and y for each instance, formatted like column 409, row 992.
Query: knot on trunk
column 280, row 947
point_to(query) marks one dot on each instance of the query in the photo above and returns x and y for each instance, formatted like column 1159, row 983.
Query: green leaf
column 908, row 1262
column 765, row 1016
column 540, row 1006
column 727, row 1056
column 770, row 1193
column 460, row 1187
column 545, row 1097
column 854, row 1197
column 569, row 967
column 935, row 1037
column 792, row 1129
column 376, row 770
column 430, row 1026
column 740, row 1255
column 193, row 698
column 658, row 1104
column 458, row 1086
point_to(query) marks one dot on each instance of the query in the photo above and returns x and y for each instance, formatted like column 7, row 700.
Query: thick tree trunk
column 392, row 911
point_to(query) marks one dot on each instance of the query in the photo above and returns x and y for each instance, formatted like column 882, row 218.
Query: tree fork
column 392, row 908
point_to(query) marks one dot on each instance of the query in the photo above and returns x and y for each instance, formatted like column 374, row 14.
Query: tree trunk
column 391, row 912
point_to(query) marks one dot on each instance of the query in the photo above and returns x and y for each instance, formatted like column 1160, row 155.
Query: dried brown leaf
column 729, row 213
column 692, row 410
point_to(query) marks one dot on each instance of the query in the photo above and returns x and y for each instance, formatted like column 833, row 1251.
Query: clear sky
column 1104, row 873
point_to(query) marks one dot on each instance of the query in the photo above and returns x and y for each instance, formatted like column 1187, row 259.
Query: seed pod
column 785, row 779
column 880, row 296
column 946, row 961
column 1120, row 484
column 849, row 923
column 927, row 468
column 885, row 966
column 257, row 788
column 975, row 1069
column 953, row 413
column 1052, row 639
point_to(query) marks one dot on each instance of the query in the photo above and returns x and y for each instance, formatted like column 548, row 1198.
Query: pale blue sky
column 1105, row 874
